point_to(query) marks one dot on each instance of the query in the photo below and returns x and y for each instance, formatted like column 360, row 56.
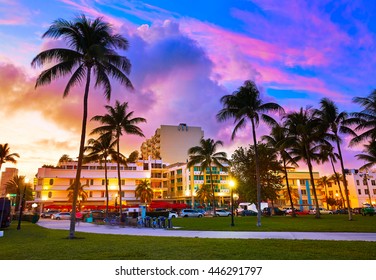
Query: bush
column 32, row 218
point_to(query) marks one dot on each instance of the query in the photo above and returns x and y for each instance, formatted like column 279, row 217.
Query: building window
column 366, row 191
column 51, row 182
column 357, row 182
column 359, row 192
column 179, row 171
column 49, row 194
column 102, row 193
column 91, row 182
column 197, row 168
column 330, row 193
column 373, row 182
column 304, row 192
column 374, row 191
column 90, row 194
column 122, row 182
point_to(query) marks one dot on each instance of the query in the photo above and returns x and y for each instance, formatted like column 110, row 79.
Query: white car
column 172, row 214
column 222, row 213
column 190, row 213
column 322, row 211
column 61, row 216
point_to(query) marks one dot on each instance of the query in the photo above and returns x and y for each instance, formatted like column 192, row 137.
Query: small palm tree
column 204, row 193
column 91, row 51
column 115, row 122
column 18, row 186
column 82, row 194
column 100, row 150
column 206, row 156
column 281, row 141
column 64, row 159
column 6, row 156
column 323, row 182
column 144, row 191
column 245, row 105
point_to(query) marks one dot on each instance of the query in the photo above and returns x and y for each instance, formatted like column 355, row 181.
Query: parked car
column 190, row 213
column 341, row 211
column 288, row 210
column 61, row 216
column 368, row 211
column 48, row 214
column 222, row 213
column 248, row 213
column 172, row 214
column 301, row 212
column 277, row 212
column 202, row 211
column 322, row 211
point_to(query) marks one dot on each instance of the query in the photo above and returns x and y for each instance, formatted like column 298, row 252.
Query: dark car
column 248, row 213
column 341, row 211
column 277, row 212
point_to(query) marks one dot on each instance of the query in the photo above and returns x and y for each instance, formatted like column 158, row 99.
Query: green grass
column 327, row 223
column 36, row 243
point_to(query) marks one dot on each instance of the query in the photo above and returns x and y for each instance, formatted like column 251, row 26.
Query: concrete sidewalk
column 107, row 229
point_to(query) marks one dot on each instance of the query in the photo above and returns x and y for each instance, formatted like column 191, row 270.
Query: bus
column 4, row 212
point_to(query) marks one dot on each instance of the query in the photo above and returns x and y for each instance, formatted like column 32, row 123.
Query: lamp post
column 232, row 184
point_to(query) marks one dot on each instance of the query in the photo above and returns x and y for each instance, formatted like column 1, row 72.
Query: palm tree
column 204, row 193
column 206, row 156
column 115, row 122
column 243, row 105
column 144, row 191
column 92, row 51
column 323, row 182
column 100, row 150
column 6, row 156
column 305, row 127
column 82, row 194
column 364, row 120
column 64, row 159
column 18, row 186
column 369, row 156
column 280, row 141
column 333, row 122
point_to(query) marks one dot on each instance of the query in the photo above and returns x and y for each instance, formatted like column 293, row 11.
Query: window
column 51, row 182
column 366, row 191
column 330, row 193
column 91, row 182
column 374, row 191
column 122, row 182
column 304, row 192
column 357, row 182
column 90, row 194
column 179, row 171
column 359, row 192
column 49, row 194
column 373, row 182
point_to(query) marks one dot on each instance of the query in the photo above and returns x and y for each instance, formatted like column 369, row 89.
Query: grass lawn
column 34, row 242
column 327, row 223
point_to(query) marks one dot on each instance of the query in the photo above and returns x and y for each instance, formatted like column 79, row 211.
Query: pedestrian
column 78, row 217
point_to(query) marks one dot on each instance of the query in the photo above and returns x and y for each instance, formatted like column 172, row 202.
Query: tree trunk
column 119, row 176
column 106, row 184
column 72, row 227
column 258, row 184
column 288, row 188
column 344, row 178
column 317, row 216
column 212, row 187
column 338, row 182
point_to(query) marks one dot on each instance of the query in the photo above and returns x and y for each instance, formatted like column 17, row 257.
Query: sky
column 185, row 56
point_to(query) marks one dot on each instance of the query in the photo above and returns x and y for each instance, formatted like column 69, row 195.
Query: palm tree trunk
column 106, row 184
column 212, row 187
column 258, row 183
column 313, row 187
column 119, row 176
column 288, row 188
column 338, row 181
column 80, row 157
column 344, row 178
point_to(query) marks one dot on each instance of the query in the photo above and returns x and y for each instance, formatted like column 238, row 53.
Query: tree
column 323, row 182
column 245, row 105
column 115, row 122
column 92, row 50
column 333, row 122
column 144, row 191
column 64, row 159
column 17, row 185
column 204, row 193
column 305, row 127
column 6, row 156
column 133, row 157
column 100, row 150
column 369, row 156
column 206, row 156
column 280, row 141
column 82, row 194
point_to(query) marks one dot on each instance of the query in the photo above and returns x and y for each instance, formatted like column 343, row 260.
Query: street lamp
column 232, row 185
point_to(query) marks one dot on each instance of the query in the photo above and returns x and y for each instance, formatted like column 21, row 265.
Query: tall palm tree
column 100, row 150
column 245, row 105
column 6, row 156
column 206, row 156
column 333, row 122
column 305, row 127
column 144, row 191
column 281, row 141
column 323, row 182
column 92, row 50
column 116, row 122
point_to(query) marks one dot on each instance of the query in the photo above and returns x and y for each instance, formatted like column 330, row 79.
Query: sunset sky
column 185, row 56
